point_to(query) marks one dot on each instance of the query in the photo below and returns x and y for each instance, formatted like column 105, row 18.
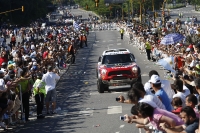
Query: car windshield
column 119, row 58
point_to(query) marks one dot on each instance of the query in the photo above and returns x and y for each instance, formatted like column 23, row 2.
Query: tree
column 33, row 9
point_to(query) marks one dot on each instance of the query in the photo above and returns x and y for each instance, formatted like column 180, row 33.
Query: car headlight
column 134, row 69
column 103, row 71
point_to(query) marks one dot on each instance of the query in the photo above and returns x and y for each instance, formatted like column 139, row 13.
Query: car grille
column 119, row 72
column 119, row 78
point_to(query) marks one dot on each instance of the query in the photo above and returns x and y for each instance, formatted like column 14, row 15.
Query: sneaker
column 2, row 125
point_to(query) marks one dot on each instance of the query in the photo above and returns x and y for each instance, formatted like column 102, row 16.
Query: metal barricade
column 22, row 109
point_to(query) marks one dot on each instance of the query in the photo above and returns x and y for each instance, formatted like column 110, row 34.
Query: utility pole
column 128, row 12
column 154, row 15
column 163, row 11
column 122, row 12
column 141, row 11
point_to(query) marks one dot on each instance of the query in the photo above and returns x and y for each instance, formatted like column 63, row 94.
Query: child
column 177, row 104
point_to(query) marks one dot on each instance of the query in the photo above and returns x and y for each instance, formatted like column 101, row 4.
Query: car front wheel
column 100, row 86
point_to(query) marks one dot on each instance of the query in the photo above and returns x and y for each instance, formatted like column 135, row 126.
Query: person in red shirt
column 179, row 61
column 45, row 54
column 3, row 58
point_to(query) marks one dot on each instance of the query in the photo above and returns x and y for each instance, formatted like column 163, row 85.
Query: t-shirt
column 166, row 85
column 165, row 100
column 24, row 85
column 177, row 111
column 155, row 99
column 192, row 127
column 41, row 85
column 158, row 113
column 45, row 55
column 181, row 96
column 2, row 85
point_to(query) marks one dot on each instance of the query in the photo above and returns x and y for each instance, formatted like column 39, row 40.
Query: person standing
column 50, row 79
column 24, row 83
column 85, row 39
column 81, row 40
column 13, row 40
column 71, row 52
column 148, row 49
column 122, row 33
column 39, row 93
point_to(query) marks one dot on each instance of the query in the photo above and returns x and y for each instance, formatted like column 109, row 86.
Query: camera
column 117, row 99
column 122, row 118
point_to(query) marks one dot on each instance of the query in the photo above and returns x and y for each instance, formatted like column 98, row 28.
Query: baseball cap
column 155, row 79
column 187, row 49
column 1, row 72
column 34, row 63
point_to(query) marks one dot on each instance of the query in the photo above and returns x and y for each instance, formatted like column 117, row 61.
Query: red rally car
column 117, row 67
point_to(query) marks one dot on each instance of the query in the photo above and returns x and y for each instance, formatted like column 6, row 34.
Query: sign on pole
column 114, row 1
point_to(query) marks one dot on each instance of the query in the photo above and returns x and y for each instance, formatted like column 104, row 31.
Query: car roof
column 116, row 51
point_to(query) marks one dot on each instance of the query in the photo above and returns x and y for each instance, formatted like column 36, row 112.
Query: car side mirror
column 99, row 60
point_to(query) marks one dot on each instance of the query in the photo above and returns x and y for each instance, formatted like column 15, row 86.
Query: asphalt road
column 187, row 11
column 82, row 108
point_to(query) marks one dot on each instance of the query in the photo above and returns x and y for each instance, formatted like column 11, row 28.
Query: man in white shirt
column 165, row 84
column 178, row 86
column 50, row 79
column 137, row 94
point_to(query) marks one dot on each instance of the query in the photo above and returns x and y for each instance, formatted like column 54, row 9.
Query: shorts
column 51, row 96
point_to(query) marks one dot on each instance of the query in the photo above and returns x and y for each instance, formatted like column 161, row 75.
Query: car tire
column 97, row 73
column 100, row 86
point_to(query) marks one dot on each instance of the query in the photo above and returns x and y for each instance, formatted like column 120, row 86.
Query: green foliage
column 104, row 10
column 33, row 9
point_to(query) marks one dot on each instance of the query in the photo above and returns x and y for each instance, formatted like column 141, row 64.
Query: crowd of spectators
column 28, row 56
column 180, row 94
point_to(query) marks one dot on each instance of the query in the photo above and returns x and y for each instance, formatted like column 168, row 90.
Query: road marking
column 117, row 132
column 122, row 126
column 119, row 43
column 94, row 93
column 144, row 74
column 87, row 112
column 114, row 110
column 116, row 92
